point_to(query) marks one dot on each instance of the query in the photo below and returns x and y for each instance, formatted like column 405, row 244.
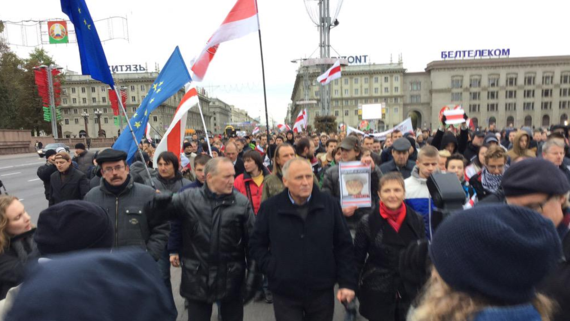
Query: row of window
column 346, row 112
column 105, row 120
column 545, row 105
column 365, row 80
column 509, row 94
column 94, row 100
column 493, row 81
column 350, row 102
column 101, row 88
column 364, row 92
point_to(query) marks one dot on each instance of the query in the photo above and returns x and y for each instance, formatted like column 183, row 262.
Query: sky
column 419, row 30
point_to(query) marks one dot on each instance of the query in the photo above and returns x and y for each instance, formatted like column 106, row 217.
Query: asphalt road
column 18, row 173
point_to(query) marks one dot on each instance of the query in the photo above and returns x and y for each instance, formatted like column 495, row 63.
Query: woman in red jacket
column 250, row 183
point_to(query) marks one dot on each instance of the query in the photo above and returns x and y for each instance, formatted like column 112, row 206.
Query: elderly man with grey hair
column 216, row 225
column 303, row 245
column 553, row 150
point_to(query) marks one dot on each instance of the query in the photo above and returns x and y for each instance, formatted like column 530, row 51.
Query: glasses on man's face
column 117, row 169
column 538, row 207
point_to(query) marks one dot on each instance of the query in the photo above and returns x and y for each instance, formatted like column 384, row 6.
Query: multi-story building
column 221, row 114
column 240, row 116
column 417, row 98
column 83, row 98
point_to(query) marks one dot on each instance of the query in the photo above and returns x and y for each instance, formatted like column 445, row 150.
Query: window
column 546, row 105
column 345, row 102
column 356, row 112
column 386, row 79
column 511, row 80
column 474, row 108
column 336, row 113
column 132, row 88
column 85, row 110
column 94, row 99
column 415, row 86
column 82, row 90
column 336, row 92
column 133, row 99
column 336, row 81
column 396, row 78
column 493, row 95
column 316, row 93
column 66, row 111
column 134, row 108
column 529, row 93
column 395, row 110
column 375, row 100
column 376, row 90
column 76, row 121
column 67, row 121
column 155, row 118
column 92, row 89
column 375, row 80
column 564, row 104
column 64, row 100
column 564, row 92
column 386, row 90
column 346, row 92
column 565, row 78
column 547, row 93
column 75, row 111
column 511, row 94
column 84, row 101
column 366, row 89
column 356, row 92
column 346, row 112
column 316, row 114
column 528, row 106
column 143, row 88
column 96, row 120
column 510, row 106
column 475, row 82
column 396, row 89
column 415, row 98
column 106, row 120
column 475, row 96
column 456, row 82
column 104, row 100
column 336, row 102
column 547, row 79
column 346, row 81
column 103, row 89
column 355, row 81
column 73, row 90
column 456, row 96
column 104, row 110
column 396, row 100
column 365, row 80
column 492, row 107
column 494, row 81
column 529, row 80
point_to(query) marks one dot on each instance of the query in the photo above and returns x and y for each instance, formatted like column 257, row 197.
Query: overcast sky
column 419, row 30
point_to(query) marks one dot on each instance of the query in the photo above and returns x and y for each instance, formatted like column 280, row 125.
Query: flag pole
column 263, row 77
column 204, row 124
column 133, row 135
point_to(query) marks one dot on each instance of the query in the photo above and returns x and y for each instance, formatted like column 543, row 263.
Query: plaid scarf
column 490, row 182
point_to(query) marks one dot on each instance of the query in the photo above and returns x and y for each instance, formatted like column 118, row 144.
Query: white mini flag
column 454, row 117
column 301, row 122
column 333, row 73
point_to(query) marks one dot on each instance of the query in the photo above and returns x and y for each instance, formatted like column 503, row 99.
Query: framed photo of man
column 355, row 184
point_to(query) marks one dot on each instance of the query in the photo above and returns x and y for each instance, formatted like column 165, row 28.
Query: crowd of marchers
column 260, row 218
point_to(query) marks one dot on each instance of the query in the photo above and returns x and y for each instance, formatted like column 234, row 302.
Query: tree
column 325, row 124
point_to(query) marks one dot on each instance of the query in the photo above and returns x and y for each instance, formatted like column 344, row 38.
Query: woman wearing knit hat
column 487, row 263
column 380, row 238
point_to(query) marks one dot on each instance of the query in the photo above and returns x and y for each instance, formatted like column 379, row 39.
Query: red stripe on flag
column 454, row 117
column 243, row 9
column 173, row 143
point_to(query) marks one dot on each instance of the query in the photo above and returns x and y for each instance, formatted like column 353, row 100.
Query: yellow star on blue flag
column 171, row 79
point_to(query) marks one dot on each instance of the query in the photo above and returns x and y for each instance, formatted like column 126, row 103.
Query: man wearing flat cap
column 123, row 199
column 400, row 159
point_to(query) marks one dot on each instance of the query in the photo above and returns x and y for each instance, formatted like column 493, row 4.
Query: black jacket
column 172, row 185
column 215, row 236
column 74, row 187
column 84, row 162
column 386, row 155
column 239, row 168
column 406, row 171
column 470, row 152
column 133, row 226
column 441, row 140
column 44, row 173
column 139, row 174
column 300, row 257
column 377, row 249
column 22, row 250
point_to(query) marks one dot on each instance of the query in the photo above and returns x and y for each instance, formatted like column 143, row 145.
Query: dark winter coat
column 74, row 186
column 386, row 155
column 175, row 238
column 44, row 173
column 378, row 263
column 406, row 171
column 470, row 152
column 84, row 162
column 299, row 256
column 22, row 250
column 244, row 182
column 139, row 174
column 475, row 182
column 215, row 233
column 133, row 226
column 239, row 168
column 441, row 140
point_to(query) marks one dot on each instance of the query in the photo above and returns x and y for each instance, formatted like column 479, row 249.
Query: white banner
column 404, row 127
column 351, row 129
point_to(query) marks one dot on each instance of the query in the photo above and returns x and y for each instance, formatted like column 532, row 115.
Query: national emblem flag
column 57, row 31
column 242, row 20
column 333, row 73
column 301, row 122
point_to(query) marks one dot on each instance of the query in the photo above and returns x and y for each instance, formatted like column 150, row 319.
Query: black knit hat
column 534, row 175
column 500, row 252
column 80, row 146
column 73, row 226
column 50, row 152
column 186, row 145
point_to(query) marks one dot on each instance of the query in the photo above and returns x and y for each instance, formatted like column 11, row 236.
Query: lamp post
column 98, row 114
column 85, row 116
column 51, row 97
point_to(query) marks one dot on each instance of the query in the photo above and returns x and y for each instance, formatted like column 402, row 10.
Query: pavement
column 18, row 173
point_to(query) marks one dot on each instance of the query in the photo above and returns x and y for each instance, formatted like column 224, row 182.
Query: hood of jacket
column 516, row 146
column 416, row 175
column 448, row 138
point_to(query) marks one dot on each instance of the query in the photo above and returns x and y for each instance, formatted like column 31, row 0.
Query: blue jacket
column 525, row 312
column 418, row 198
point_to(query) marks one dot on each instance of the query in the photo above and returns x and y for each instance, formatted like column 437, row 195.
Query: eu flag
column 173, row 76
column 93, row 60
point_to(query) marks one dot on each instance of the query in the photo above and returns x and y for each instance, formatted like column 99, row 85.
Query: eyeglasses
column 117, row 168
column 538, row 207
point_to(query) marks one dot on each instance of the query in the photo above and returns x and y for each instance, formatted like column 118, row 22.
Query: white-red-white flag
column 174, row 136
column 301, row 122
column 147, row 132
column 454, row 117
column 242, row 20
column 331, row 74
column 255, row 131
column 283, row 127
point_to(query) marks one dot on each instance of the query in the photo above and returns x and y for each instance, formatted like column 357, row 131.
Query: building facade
column 85, row 103
column 221, row 114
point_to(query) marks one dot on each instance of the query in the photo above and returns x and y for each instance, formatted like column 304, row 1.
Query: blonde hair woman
column 487, row 262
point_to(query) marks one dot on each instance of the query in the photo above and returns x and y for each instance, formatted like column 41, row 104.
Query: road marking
column 21, row 165
column 6, row 167
column 33, row 180
column 11, row 174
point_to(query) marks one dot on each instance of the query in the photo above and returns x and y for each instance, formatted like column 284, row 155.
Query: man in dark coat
column 216, row 225
column 231, row 152
column 304, row 246
column 123, row 199
column 67, row 183
column 400, row 159
column 84, row 159
column 472, row 148
column 45, row 171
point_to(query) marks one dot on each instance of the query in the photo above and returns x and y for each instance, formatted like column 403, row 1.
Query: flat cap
column 350, row 143
column 534, row 176
column 401, row 145
column 111, row 155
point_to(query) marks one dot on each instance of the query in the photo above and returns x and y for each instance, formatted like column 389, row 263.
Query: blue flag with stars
column 173, row 76
column 93, row 60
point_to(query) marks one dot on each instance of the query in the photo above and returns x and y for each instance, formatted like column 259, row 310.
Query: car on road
column 53, row 146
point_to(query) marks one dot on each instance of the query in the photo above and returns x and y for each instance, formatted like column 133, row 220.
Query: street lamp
column 85, row 116
column 98, row 114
